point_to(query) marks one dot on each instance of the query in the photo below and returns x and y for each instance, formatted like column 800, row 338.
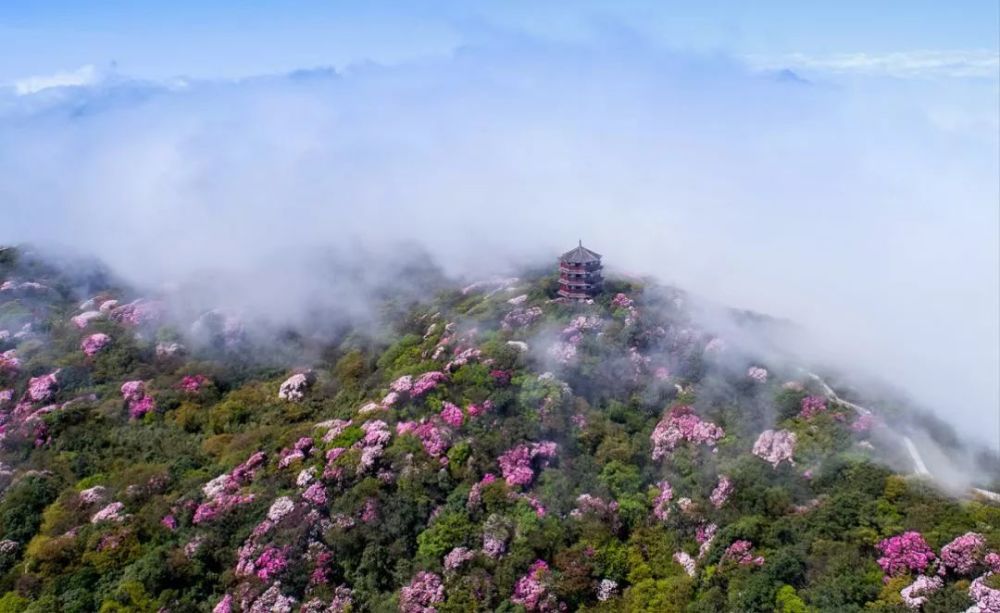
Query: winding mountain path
column 919, row 466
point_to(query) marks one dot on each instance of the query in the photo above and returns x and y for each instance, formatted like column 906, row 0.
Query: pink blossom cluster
column 582, row 323
column 451, row 415
column 587, row 504
column 93, row 343
column 212, row 509
column 93, row 494
column 532, row 590
column 424, row 591
column 169, row 522
column 9, row 361
column 294, row 388
column 42, row 388
column 915, row 595
column 334, row 428
column 963, row 554
column 681, row 424
column 315, row 494
column 280, row 508
column 475, row 410
column 501, row 378
column 812, row 406
column 5, row 397
column 606, row 589
column 495, row 535
column 271, row 601
column 433, row 438
column 757, row 374
column 863, row 423
column 741, row 552
column 192, row 384
column 83, row 319
column 475, row 493
column 271, row 562
column 139, row 403
column 686, row 561
column 372, row 445
column 621, row 301
column 112, row 512
column 516, row 463
column 904, row 553
column 661, row 506
column 705, row 535
column 225, row 605
column 137, row 312
column 426, row 382
column 297, row 452
column 987, row 599
column 721, row 492
column 464, row 357
column 457, row 557
column 775, row 446
column 521, row 317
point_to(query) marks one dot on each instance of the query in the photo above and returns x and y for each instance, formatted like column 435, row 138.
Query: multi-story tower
column 580, row 273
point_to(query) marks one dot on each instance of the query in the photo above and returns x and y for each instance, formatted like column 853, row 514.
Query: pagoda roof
column 580, row 255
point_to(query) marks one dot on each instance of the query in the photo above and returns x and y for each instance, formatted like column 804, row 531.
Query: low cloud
column 863, row 211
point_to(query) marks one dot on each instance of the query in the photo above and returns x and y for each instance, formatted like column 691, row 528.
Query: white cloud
column 84, row 75
column 903, row 64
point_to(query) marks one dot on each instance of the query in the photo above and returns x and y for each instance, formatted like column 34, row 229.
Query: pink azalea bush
column 741, row 552
column 457, row 557
column 516, row 463
column 987, row 598
column 721, row 492
column 812, row 406
column 112, row 512
column 904, row 553
column 681, row 424
column 963, row 554
column 9, row 361
column 42, row 388
column 705, row 535
column 758, row 374
column 532, row 590
column 863, row 423
column 915, row 595
column 83, row 319
column 661, row 506
column 775, row 446
column 293, row 389
column 452, row 415
column 193, row 383
column 94, row 343
column 423, row 592
column 686, row 561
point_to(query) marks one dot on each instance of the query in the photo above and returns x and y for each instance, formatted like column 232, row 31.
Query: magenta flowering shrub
column 112, row 512
column 775, row 446
column 812, row 406
column 681, row 424
column 139, row 403
column 90, row 345
column 758, row 374
column 192, row 384
column 686, row 561
column 532, row 591
column 458, row 556
column 315, row 494
column 621, row 301
column 451, row 415
column 963, row 554
column 705, row 535
column 915, row 595
column 661, row 505
column 294, row 388
column 588, row 504
column 904, row 553
column 271, row 562
column 9, row 361
column 863, row 423
column 424, row 591
column 741, row 552
column 521, row 317
column 82, row 320
column 722, row 491
column 137, row 312
column 987, row 598
column 426, row 382
column 516, row 463
column 475, row 493
column 42, row 388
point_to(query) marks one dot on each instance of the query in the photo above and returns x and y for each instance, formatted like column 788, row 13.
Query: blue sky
column 226, row 39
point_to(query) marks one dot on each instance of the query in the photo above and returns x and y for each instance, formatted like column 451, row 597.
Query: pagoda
column 580, row 274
